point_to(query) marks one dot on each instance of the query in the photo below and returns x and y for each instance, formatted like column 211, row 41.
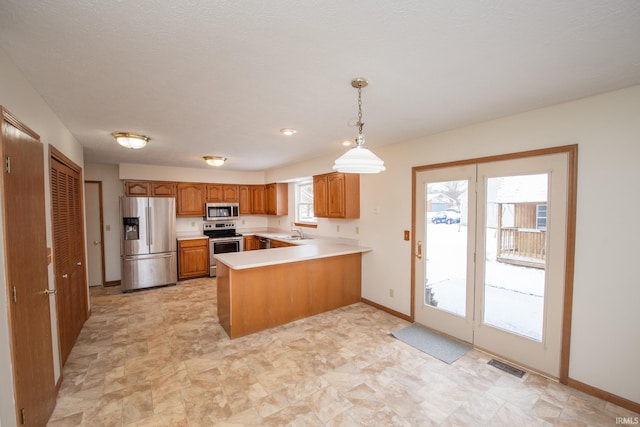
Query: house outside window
column 304, row 203
column 541, row 217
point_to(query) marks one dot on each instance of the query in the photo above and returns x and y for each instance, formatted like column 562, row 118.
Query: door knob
column 50, row 291
column 95, row 242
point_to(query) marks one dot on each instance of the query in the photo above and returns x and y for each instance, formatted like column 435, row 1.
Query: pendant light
column 359, row 159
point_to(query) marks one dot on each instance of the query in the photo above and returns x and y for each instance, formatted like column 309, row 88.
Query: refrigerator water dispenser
column 131, row 228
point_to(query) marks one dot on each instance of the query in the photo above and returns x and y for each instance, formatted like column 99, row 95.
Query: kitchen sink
column 289, row 237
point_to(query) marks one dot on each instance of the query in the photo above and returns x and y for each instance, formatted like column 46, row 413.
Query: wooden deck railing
column 522, row 246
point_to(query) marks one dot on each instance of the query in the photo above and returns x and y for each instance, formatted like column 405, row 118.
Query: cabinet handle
column 78, row 263
column 64, row 276
column 419, row 251
column 50, row 291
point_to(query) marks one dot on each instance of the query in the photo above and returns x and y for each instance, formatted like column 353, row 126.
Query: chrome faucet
column 297, row 230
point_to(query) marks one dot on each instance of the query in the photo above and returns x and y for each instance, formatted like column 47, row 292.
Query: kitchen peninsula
column 261, row 289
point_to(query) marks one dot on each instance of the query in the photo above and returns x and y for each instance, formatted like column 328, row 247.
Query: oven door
column 223, row 246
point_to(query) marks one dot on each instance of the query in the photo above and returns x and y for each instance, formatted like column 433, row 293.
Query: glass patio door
column 445, row 233
column 522, row 209
column 490, row 256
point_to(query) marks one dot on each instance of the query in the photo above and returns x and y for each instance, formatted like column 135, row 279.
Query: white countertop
column 301, row 252
column 191, row 237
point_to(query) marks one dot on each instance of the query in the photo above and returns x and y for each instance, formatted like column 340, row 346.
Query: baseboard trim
column 111, row 283
column 387, row 310
column 604, row 395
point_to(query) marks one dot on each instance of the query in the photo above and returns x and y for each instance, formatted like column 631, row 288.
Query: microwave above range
column 221, row 211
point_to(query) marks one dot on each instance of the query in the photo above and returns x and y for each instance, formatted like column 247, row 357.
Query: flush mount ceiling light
column 288, row 131
column 131, row 140
column 359, row 159
column 215, row 160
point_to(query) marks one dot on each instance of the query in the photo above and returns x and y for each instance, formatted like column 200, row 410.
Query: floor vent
column 507, row 368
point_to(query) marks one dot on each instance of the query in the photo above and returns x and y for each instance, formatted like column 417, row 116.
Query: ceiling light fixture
column 359, row 159
column 131, row 140
column 288, row 131
column 215, row 160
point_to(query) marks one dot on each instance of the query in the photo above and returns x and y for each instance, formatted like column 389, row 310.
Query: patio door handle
column 419, row 250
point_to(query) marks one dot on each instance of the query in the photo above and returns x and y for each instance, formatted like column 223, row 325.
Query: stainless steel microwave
column 221, row 211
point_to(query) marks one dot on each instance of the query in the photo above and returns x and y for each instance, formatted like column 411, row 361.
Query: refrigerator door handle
column 150, row 232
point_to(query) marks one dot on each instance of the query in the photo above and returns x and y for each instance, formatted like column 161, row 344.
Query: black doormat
column 507, row 368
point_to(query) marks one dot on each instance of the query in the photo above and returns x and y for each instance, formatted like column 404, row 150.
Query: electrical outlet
column 243, row 222
column 193, row 224
column 108, row 227
column 357, row 230
column 278, row 222
column 337, row 228
column 391, row 293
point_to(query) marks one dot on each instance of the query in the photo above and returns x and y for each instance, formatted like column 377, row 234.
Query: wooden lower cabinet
column 251, row 243
column 193, row 258
column 279, row 244
column 254, row 299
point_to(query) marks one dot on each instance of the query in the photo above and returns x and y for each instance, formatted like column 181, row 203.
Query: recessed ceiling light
column 346, row 142
column 288, row 131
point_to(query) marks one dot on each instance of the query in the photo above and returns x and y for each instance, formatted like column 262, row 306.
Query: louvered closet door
column 68, row 254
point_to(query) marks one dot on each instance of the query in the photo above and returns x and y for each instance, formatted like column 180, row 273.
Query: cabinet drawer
column 192, row 243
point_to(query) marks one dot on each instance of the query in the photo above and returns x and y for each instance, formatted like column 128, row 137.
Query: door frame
column 101, row 220
column 572, row 181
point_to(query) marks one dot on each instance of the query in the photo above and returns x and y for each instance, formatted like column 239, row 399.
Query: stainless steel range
column 222, row 239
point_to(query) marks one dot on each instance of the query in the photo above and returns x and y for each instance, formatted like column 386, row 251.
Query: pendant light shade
column 359, row 159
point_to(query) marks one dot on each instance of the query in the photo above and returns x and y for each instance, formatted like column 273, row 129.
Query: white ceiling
column 213, row 77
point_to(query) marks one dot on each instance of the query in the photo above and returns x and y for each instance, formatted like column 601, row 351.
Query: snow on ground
column 514, row 295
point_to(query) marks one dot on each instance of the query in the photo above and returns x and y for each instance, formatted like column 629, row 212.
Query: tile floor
column 159, row 358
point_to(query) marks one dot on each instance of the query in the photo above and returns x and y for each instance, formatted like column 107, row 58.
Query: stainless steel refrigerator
column 148, row 227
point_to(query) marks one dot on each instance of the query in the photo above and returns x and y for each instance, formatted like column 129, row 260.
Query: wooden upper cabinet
column 258, row 205
column 214, row 193
column 244, row 198
column 336, row 195
column 320, row 196
column 163, row 189
column 191, row 199
column 277, row 199
column 217, row 193
column 137, row 188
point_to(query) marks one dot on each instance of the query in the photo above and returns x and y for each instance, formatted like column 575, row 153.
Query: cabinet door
column 277, row 199
column 320, row 196
column 336, row 201
column 191, row 199
column 193, row 258
column 230, row 193
column 137, row 188
column 258, row 199
column 244, row 197
column 214, row 193
column 163, row 189
column 251, row 243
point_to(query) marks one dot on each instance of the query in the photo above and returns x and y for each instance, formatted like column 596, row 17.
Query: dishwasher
column 265, row 243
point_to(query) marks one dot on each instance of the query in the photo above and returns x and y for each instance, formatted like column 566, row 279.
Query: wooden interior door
column 27, row 279
column 68, row 252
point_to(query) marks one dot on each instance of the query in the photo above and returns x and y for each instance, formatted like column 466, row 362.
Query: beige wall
column 17, row 96
column 604, row 344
